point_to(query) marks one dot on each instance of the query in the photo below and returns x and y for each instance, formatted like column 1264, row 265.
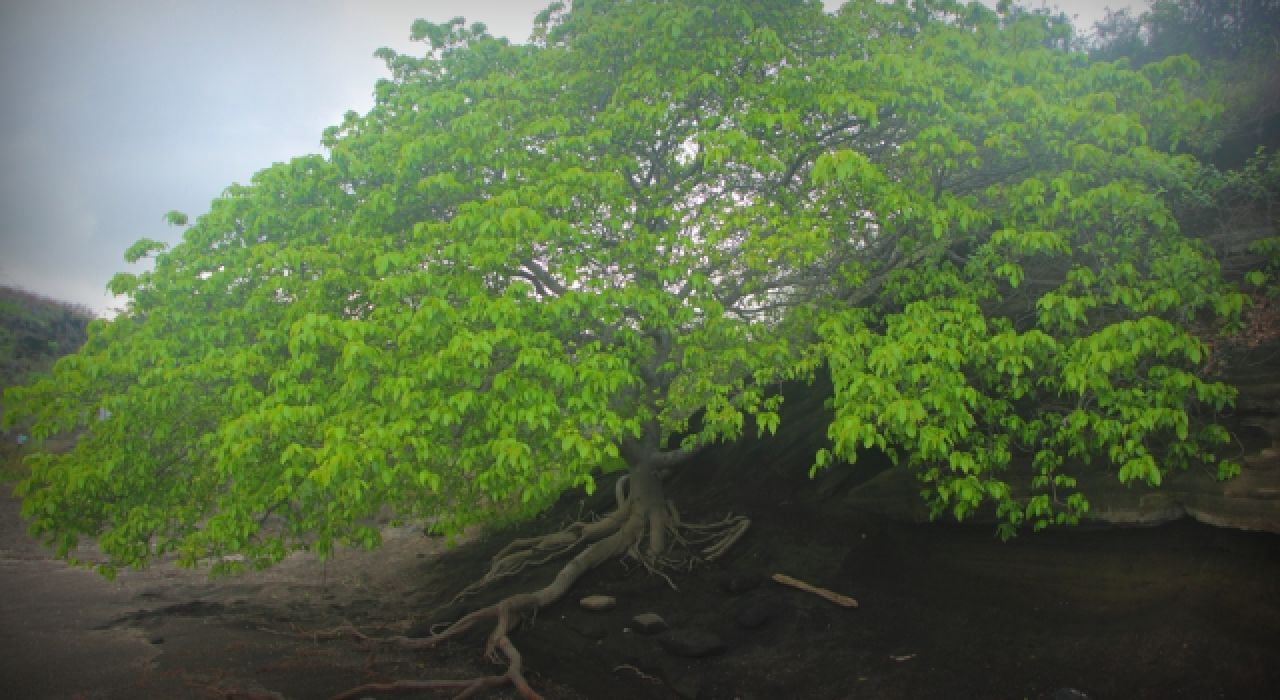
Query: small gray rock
column 156, row 640
column 598, row 603
column 691, row 644
column 649, row 623
column 1067, row 694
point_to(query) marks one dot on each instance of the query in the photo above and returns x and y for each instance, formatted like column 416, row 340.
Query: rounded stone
column 598, row 603
column 649, row 623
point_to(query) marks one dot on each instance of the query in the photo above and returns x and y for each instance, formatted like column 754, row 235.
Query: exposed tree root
column 520, row 554
column 469, row 687
column 642, row 517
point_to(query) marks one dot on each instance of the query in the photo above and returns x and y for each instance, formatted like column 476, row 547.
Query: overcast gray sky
column 113, row 112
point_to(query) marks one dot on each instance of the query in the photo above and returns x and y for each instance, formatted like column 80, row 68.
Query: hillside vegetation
column 34, row 332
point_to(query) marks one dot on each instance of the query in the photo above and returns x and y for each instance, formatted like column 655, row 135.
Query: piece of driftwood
column 833, row 597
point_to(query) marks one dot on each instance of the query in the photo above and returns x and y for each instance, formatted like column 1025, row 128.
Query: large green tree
column 605, row 249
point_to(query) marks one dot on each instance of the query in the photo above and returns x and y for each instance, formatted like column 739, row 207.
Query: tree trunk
column 648, row 504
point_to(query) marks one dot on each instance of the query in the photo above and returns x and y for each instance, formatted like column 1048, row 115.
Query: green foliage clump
column 526, row 262
column 1236, row 43
column 1238, row 212
column 34, row 332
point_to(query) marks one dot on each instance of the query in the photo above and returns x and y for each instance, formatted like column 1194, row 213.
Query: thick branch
column 543, row 276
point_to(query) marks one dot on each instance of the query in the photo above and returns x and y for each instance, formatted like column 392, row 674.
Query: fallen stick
column 833, row 597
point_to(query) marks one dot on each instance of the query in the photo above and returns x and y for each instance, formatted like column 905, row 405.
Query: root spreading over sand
column 644, row 528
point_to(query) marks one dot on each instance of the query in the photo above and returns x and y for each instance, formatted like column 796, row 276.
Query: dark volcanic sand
column 1178, row 611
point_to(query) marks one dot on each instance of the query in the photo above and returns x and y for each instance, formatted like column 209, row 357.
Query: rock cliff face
column 1250, row 501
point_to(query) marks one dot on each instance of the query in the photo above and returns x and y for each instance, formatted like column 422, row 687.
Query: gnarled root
column 718, row 537
column 470, row 687
column 523, row 553
column 620, row 534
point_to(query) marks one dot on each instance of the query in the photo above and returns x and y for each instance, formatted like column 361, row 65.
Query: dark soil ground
column 1179, row 611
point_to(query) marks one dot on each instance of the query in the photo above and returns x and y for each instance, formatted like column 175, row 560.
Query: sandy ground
column 947, row 612
column 167, row 632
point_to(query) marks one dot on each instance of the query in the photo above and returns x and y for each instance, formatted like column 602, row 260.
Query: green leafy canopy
column 527, row 262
